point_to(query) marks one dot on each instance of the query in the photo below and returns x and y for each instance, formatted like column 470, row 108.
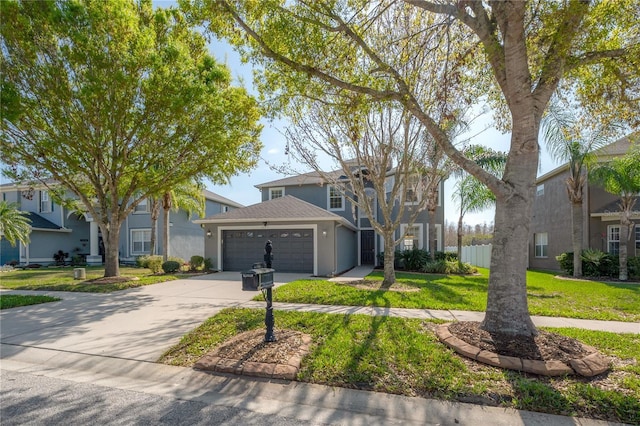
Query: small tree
column 621, row 177
column 567, row 141
column 14, row 223
column 380, row 151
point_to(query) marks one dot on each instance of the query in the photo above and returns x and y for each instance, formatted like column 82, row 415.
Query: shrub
column 154, row 263
column 596, row 263
column 142, row 261
column 59, row 257
column 448, row 267
column 171, row 266
column 196, row 262
column 565, row 260
column 414, row 259
column 208, row 264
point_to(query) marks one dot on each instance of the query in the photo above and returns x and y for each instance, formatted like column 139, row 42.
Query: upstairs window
column 224, row 208
column 413, row 190
column 336, row 199
column 142, row 207
column 540, row 190
column 45, row 202
column 276, row 193
column 140, row 241
column 412, row 237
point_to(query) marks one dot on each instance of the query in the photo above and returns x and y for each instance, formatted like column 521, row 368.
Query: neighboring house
column 55, row 227
column 551, row 222
column 314, row 229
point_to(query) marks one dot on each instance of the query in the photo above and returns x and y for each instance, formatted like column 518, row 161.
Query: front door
column 367, row 247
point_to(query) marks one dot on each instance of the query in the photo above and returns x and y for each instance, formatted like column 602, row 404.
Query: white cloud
column 273, row 151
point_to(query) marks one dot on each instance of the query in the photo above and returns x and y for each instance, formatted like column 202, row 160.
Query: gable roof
column 220, row 199
column 283, row 209
column 39, row 223
column 303, row 179
column 614, row 149
column 613, row 209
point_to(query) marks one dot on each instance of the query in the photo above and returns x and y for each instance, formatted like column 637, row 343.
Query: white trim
column 147, row 207
column 342, row 200
column 537, row 244
column 276, row 188
column 438, row 236
column 609, row 240
column 131, row 241
column 233, row 228
column 403, row 227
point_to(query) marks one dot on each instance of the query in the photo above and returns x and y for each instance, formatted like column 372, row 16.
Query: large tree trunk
column 389, row 257
column 577, row 236
column 111, row 239
column 165, row 236
column 507, row 307
column 155, row 213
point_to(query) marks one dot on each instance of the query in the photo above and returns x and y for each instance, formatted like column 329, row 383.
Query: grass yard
column 403, row 356
column 16, row 300
column 61, row 279
column 548, row 296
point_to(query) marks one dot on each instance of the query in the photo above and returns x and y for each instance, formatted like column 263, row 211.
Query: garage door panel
column 292, row 249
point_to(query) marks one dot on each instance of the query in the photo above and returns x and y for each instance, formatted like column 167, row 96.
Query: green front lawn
column 15, row 300
column 548, row 296
column 61, row 279
column 403, row 356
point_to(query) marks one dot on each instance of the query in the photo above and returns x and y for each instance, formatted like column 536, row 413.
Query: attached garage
column 292, row 249
column 306, row 239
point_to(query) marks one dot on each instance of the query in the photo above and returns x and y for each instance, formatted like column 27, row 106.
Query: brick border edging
column 286, row 371
column 591, row 365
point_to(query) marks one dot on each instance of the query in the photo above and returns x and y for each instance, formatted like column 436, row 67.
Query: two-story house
column 551, row 222
column 54, row 228
column 313, row 229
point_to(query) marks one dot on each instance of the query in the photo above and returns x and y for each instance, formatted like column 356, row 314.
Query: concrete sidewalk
column 114, row 339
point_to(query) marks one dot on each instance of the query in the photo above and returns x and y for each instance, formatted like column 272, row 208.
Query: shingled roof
column 40, row 223
column 283, row 209
column 613, row 209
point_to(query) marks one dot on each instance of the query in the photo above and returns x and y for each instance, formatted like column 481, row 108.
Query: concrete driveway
column 137, row 324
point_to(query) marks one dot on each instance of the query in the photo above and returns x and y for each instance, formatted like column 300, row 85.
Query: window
column 142, row 207
column 276, row 193
column 412, row 237
column 542, row 244
column 413, row 190
column 336, row 199
column 224, row 208
column 637, row 240
column 45, row 202
column 613, row 239
column 438, row 231
column 140, row 241
column 540, row 190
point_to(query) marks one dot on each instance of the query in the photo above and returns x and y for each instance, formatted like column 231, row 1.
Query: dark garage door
column 292, row 249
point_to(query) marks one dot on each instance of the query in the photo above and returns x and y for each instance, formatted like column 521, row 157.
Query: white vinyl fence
column 475, row 255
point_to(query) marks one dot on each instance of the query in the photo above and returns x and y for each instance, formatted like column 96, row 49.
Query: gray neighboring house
column 551, row 222
column 54, row 227
column 314, row 229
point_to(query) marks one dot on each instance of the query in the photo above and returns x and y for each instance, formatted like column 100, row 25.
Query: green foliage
column 634, row 266
column 171, row 266
column 142, row 261
column 208, row 264
column 154, row 263
column 448, row 267
column 151, row 107
column 414, row 259
column 15, row 300
column 14, row 223
column 595, row 263
column 565, row 260
column 196, row 263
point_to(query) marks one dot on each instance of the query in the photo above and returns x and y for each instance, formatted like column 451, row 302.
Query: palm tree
column 473, row 196
column 187, row 196
column 568, row 142
column 14, row 223
column 621, row 177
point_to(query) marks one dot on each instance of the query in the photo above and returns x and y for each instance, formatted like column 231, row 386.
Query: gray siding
column 346, row 249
